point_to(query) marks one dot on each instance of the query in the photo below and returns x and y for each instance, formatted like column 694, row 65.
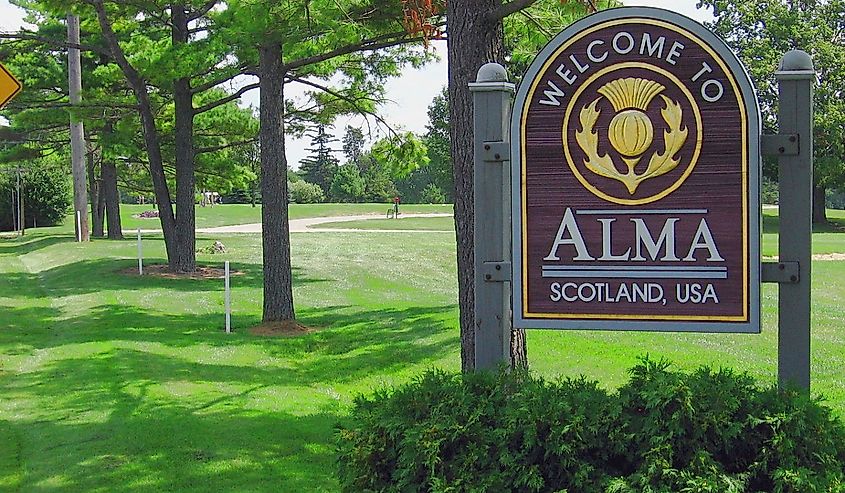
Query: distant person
column 396, row 206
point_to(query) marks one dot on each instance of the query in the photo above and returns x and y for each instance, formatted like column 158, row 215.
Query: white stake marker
column 228, row 300
column 78, row 227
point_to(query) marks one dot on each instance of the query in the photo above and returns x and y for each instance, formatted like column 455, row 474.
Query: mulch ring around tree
column 285, row 328
column 162, row 272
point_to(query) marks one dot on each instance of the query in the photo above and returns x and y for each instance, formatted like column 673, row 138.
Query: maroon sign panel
column 636, row 180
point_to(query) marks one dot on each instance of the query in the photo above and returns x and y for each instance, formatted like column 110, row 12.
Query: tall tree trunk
column 186, row 257
column 819, row 212
column 474, row 39
column 152, row 141
column 278, row 282
column 77, row 132
column 94, row 193
column 112, row 200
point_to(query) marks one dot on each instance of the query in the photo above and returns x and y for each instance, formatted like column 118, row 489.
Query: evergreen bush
column 664, row 431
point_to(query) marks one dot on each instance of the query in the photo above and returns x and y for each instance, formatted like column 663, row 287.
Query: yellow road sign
column 9, row 86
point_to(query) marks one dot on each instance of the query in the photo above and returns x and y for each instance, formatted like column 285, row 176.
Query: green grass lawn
column 112, row 382
column 231, row 214
column 828, row 239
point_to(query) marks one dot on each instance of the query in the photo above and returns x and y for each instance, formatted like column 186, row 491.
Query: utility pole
column 77, row 133
column 17, row 201
column 21, row 218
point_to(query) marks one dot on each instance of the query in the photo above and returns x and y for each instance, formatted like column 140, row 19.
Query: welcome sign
column 636, row 164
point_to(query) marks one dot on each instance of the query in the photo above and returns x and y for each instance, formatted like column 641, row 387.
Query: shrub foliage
column 664, row 431
column 302, row 192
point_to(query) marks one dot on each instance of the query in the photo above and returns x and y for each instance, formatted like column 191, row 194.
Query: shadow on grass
column 167, row 448
column 29, row 244
column 351, row 344
column 834, row 225
column 101, row 275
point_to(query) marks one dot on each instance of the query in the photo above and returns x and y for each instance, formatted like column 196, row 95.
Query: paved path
column 307, row 225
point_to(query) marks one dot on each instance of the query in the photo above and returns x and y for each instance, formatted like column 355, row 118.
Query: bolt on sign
column 636, row 176
column 9, row 86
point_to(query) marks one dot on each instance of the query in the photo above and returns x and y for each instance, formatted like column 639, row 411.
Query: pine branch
column 203, row 150
column 509, row 8
column 342, row 97
column 220, row 80
column 202, row 10
column 220, row 102
column 372, row 44
column 24, row 36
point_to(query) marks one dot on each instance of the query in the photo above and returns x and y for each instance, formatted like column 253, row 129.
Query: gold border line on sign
column 571, row 162
column 16, row 81
column 523, row 175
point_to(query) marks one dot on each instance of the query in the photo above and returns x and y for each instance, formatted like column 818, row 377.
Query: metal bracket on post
column 781, row 272
column 496, row 152
column 492, row 94
column 795, row 78
column 780, row 144
column 496, row 271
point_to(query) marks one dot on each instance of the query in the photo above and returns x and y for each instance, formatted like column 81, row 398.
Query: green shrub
column 664, row 431
column 302, row 192
column 769, row 190
column 432, row 194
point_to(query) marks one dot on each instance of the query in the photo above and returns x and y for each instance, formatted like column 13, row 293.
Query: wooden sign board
column 9, row 86
column 636, row 177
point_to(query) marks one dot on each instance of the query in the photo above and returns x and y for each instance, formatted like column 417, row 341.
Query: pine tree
column 320, row 166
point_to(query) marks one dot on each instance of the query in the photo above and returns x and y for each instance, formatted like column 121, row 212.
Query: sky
column 410, row 95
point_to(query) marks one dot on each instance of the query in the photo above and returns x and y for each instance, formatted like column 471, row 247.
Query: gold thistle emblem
column 631, row 132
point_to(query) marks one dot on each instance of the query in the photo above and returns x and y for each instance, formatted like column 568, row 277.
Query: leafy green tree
column 761, row 31
column 438, row 170
column 411, row 187
column 378, row 182
column 400, row 153
column 436, row 141
column 347, row 184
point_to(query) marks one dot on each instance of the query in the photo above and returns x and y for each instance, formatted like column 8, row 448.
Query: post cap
column 793, row 61
column 492, row 72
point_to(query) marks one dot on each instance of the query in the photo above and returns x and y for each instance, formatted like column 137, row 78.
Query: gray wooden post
column 795, row 117
column 492, row 96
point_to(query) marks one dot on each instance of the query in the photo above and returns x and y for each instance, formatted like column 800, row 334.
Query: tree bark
column 278, row 282
column 474, row 38
column 152, row 140
column 186, row 258
column 819, row 212
column 112, row 200
column 77, row 132
column 95, row 198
